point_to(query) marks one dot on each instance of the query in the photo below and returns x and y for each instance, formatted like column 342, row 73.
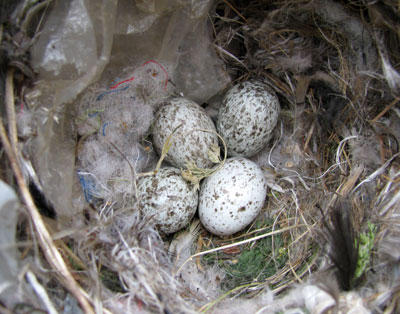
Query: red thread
column 21, row 109
column 139, row 303
column 118, row 84
column 162, row 68
column 132, row 78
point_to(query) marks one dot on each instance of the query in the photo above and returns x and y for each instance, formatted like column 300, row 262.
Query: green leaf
column 365, row 246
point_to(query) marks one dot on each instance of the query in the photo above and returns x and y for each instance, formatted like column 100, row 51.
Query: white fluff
column 111, row 123
column 202, row 283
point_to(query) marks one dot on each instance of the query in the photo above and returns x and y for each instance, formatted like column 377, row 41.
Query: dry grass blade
column 194, row 174
column 222, row 50
column 346, row 187
column 377, row 172
column 236, row 11
column 207, row 307
column 166, row 147
column 12, row 125
column 41, row 292
column 386, row 109
column 224, row 247
column 339, row 151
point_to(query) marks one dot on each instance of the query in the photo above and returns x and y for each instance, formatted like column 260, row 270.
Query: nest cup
column 82, row 83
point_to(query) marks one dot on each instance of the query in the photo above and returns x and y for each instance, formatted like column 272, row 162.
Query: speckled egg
column 247, row 116
column 188, row 143
column 232, row 197
column 168, row 199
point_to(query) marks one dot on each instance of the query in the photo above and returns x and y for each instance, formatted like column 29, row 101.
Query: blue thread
column 88, row 187
column 103, row 128
column 100, row 97
column 92, row 115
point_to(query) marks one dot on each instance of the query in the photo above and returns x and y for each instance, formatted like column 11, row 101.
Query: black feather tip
column 342, row 240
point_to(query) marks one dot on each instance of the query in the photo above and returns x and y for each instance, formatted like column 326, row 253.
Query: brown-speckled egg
column 232, row 197
column 188, row 143
column 168, row 199
column 247, row 116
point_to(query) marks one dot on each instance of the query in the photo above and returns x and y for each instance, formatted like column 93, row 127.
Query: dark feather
column 332, row 105
column 341, row 239
column 43, row 204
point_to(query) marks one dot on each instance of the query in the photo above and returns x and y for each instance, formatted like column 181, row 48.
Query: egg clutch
column 233, row 193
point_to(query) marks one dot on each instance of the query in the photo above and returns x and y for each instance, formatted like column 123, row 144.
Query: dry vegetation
column 331, row 219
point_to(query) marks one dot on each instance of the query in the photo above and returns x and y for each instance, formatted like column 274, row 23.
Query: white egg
column 232, row 197
column 247, row 116
column 188, row 142
column 169, row 199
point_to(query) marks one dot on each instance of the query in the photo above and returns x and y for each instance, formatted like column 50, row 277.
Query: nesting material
column 334, row 67
column 113, row 124
column 202, row 282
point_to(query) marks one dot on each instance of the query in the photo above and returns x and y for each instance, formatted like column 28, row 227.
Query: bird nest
column 327, row 237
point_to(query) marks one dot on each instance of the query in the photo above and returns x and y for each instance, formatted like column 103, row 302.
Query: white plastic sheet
column 84, row 41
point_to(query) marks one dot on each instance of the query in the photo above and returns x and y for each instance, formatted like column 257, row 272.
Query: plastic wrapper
column 88, row 41
column 12, row 290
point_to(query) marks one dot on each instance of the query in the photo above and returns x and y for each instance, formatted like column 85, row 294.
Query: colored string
column 144, row 64
column 94, row 114
column 162, row 68
column 122, row 82
column 111, row 91
column 88, row 186
column 103, row 129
